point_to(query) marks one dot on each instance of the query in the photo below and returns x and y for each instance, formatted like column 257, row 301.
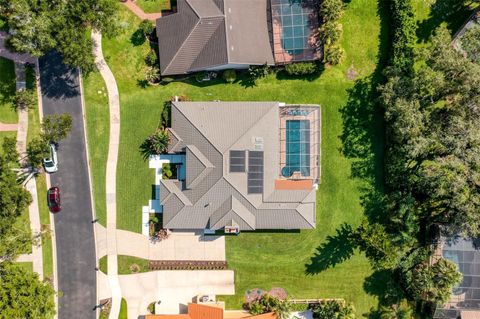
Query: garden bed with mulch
column 187, row 265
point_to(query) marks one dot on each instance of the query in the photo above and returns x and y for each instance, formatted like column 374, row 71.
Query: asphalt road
column 73, row 225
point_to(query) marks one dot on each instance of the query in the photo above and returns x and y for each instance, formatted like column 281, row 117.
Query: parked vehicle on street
column 53, row 198
column 50, row 163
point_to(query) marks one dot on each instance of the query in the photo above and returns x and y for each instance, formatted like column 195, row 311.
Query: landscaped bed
column 262, row 259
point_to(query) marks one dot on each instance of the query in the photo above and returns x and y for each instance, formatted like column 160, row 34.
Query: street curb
column 92, row 199
column 47, row 180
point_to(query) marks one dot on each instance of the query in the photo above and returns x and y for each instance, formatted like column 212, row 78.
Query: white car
column 50, row 163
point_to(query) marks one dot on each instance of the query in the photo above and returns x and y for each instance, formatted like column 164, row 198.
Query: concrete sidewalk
column 111, row 174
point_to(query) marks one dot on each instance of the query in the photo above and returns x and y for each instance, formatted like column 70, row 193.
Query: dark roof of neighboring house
column 209, row 33
column 466, row 295
column 212, row 196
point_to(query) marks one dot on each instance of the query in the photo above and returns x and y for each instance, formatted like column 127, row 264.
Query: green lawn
column 123, row 310
column 97, row 114
column 103, row 264
column 26, row 265
column 7, row 91
column 154, row 6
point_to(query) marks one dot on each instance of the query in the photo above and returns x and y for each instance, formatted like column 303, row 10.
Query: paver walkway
column 132, row 6
column 8, row 127
column 111, row 188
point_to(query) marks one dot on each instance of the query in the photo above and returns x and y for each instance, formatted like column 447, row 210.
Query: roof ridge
column 231, row 209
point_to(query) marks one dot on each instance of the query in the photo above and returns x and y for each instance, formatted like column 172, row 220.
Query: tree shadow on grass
column 336, row 249
column 453, row 12
column 382, row 284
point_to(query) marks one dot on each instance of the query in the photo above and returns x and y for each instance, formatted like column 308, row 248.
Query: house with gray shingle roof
column 211, row 35
column 248, row 165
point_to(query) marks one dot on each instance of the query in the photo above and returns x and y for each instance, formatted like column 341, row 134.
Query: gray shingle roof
column 201, row 35
column 217, row 197
column 198, row 166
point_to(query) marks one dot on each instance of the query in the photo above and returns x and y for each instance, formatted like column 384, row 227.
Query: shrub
column 331, row 10
column 151, row 58
column 258, row 71
column 268, row 303
column 152, row 74
column 24, row 99
column 330, row 32
column 146, row 27
column 155, row 144
column 334, row 55
column 229, row 76
column 301, row 68
column 151, row 308
column 199, row 76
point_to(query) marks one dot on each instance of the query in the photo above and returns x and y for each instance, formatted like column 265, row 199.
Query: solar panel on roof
column 255, row 172
column 237, row 161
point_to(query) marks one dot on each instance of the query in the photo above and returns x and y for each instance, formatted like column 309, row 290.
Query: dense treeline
column 22, row 294
column 431, row 100
column 36, row 27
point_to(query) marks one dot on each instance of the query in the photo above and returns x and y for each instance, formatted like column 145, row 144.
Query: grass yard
column 97, row 114
column 7, row 91
column 26, row 265
column 154, row 6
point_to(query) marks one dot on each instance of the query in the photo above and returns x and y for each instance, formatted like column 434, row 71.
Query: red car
column 53, row 197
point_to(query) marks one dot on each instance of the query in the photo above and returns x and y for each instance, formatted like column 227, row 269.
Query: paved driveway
column 174, row 288
column 73, row 227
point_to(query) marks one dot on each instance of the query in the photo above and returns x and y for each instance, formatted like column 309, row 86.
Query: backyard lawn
column 7, row 91
column 308, row 264
column 154, row 6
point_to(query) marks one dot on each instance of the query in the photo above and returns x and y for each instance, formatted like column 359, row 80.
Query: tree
column 25, row 99
column 56, row 127
column 14, row 200
column 37, row 150
column 9, row 147
column 432, row 283
column 23, row 294
column 470, row 43
column 146, row 27
column 333, row 309
column 37, row 27
column 156, row 143
column 331, row 10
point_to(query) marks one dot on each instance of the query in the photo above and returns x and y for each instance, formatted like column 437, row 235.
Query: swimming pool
column 298, row 148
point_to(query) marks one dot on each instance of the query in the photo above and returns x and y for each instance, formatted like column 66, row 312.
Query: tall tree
column 23, row 295
column 38, row 26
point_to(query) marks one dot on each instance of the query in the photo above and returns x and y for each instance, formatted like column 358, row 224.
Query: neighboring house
column 211, row 311
column 233, row 34
column 465, row 300
column 241, row 166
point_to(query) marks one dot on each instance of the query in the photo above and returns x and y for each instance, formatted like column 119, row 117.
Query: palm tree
column 155, row 144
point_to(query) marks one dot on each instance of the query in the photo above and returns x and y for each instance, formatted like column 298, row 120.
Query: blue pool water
column 298, row 148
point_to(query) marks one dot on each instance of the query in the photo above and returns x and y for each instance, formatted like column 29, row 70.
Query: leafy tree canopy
column 39, row 26
column 23, row 295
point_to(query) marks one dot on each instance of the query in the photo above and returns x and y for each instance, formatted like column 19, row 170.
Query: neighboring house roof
column 212, row 196
column 210, row 33
column 198, row 311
